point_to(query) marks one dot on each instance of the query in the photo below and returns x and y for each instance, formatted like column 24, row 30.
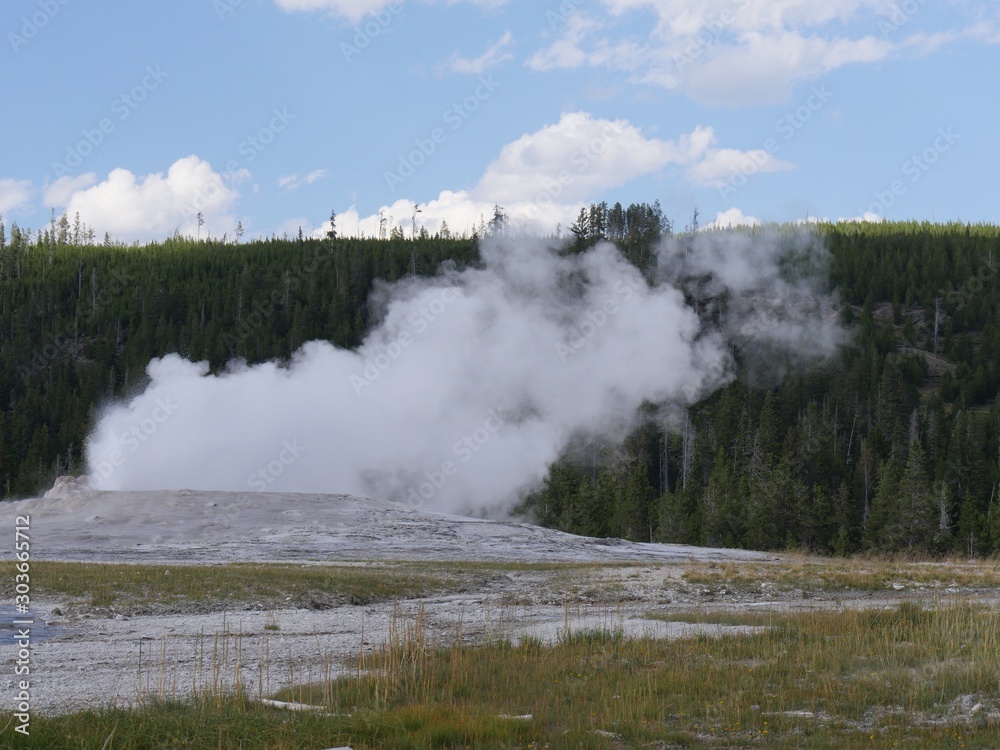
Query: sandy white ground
column 224, row 526
column 102, row 659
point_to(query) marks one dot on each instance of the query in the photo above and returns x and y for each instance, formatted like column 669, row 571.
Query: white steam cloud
column 472, row 385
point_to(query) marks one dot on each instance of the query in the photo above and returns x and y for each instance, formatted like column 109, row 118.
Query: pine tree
column 581, row 227
column 331, row 233
column 498, row 226
column 721, row 514
column 884, row 505
column 914, row 521
column 844, row 538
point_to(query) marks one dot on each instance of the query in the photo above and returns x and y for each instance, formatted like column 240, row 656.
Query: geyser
column 474, row 381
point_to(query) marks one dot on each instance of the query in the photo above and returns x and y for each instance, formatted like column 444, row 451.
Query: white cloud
column 356, row 10
column 14, row 194
column 721, row 52
column 60, row 191
column 291, row 227
column 316, row 174
column 764, row 68
column 294, row 181
column 927, row 43
column 986, row 32
column 153, row 206
column 868, row 216
column 679, row 17
column 492, row 57
column 594, row 155
column 720, row 165
column 733, row 217
column 459, row 209
column 352, row 10
column 565, row 52
column 543, row 178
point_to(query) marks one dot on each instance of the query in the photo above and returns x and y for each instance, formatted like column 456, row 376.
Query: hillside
column 893, row 444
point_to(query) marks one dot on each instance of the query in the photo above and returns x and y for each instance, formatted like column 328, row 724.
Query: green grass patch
column 816, row 680
column 754, row 619
column 904, row 676
column 844, row 575
column 138, row 589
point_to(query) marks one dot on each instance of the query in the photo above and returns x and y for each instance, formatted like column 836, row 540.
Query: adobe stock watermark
column 454, row 117
column 32, row 25
column 462, row 452
column 708, row 35
column 122, row 106
column 132, row 440
column 915, row 168
column 370, row 30
column 262, row 310
column 419, row 321
column 225, row 8
column 592, row 321
column 973, row 286
column 786, row 128
column 901, row 14
column 267, row 475
column 581, row 160
column 805, row 451
column 59, row 343
column 249, row 148
column 224, row 515
column 560, row 16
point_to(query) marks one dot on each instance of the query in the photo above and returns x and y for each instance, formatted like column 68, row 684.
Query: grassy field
column 137, row 589
column 920, row 677
column 903, row 677
column 907, row 675
column 845, row 575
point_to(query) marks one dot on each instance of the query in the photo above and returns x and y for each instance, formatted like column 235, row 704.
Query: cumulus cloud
column 542, row 178
column 732, row 217
column 718, row 166
column 867, row 216
column 565, row 52
column 14, row 194
column 458, row 209
column 60, row 191
column 597, row 153
column 154, row 206
column 719, row 52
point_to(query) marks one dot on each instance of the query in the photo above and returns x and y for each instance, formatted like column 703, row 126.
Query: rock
column 964, row 702
column 57, row 612
column 609, row 735
column 68, row 485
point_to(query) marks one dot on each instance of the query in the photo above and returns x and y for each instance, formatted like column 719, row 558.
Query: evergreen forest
column 891, row 445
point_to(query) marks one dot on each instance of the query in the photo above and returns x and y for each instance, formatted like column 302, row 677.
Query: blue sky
column 271, row 113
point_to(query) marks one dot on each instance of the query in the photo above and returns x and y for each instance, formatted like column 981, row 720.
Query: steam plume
column 474, row 382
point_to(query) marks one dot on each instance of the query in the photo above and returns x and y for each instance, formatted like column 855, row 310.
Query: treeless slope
column 224, row 526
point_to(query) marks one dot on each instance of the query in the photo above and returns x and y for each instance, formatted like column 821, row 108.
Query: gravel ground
column 96, row 658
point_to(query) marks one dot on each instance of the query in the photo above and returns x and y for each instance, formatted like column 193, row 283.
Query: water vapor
column 475, row 381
